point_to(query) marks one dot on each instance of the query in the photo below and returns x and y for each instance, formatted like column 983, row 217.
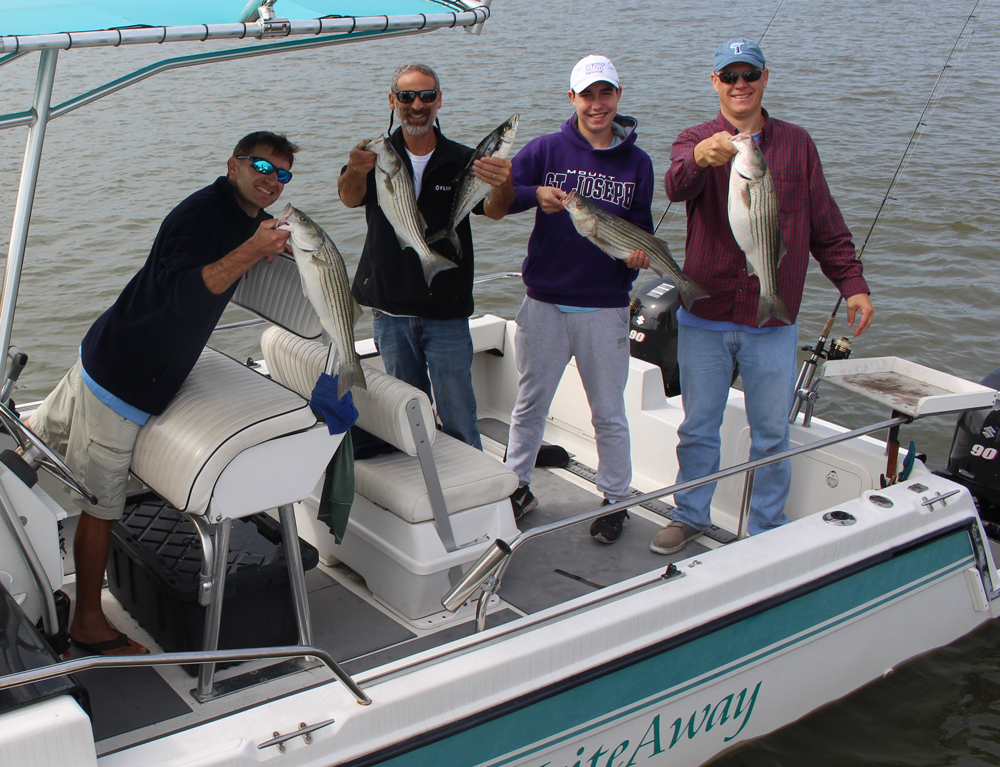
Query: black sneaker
column 522, row 501
column 608, row 529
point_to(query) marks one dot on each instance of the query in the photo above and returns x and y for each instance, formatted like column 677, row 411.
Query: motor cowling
column 974, row 460
column 653, row 330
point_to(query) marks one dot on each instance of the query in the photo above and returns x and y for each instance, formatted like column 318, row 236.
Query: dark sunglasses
column 731, row 78
column 407, row 97
column 261, row 165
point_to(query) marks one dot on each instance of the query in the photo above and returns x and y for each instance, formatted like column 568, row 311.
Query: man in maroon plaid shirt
column 720, row 330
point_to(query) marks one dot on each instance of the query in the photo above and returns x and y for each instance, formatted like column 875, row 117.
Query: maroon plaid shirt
column 810, row 222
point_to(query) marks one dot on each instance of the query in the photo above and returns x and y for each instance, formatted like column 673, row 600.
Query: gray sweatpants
column 546, row 339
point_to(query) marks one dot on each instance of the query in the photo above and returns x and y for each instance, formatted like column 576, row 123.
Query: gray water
column 856, row 74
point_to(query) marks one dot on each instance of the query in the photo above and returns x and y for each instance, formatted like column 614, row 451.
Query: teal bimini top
column 46, row 17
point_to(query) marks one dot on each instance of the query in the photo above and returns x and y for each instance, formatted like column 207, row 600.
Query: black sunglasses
column 731, row 78
column 407, row 97
column 261, row 165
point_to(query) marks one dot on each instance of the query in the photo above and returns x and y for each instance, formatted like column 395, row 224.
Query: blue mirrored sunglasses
column 261, row 165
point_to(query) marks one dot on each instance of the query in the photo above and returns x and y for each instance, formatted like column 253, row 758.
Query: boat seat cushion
column 469, row 478
column 297, row 363
column 222, row 409
column 395, row 481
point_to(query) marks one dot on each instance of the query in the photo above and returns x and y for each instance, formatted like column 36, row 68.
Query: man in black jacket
column 419, row 327
column 137, row 354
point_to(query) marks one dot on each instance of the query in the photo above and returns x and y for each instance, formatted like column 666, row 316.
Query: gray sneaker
column 674, row 537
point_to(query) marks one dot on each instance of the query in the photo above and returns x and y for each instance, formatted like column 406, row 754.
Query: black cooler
column 153, row 571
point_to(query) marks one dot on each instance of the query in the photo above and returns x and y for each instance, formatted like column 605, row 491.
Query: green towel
column 338, row 489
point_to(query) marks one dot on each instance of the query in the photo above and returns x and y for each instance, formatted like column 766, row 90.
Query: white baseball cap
column 592, row 69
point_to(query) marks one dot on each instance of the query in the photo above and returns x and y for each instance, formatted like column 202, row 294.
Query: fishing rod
column 841, row 348
column 773, row 17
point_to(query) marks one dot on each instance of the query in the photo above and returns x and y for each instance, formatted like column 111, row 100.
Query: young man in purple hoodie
column 577, row 296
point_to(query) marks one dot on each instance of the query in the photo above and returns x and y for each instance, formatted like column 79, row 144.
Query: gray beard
column 416, row 130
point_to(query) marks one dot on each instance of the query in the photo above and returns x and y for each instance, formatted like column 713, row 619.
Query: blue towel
column 339, row 414
column 338, row 485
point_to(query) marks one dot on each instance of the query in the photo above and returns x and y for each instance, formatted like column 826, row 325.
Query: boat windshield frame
column 314, row 33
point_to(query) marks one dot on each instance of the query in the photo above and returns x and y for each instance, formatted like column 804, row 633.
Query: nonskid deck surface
column 136, row 704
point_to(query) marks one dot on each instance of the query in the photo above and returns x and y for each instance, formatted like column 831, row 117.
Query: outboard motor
column 975, row 458
column 653, row 330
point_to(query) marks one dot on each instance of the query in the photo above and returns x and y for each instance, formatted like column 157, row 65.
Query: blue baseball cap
column 738, row 49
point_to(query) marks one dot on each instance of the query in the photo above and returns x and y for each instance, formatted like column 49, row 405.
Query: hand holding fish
column 353, row 182
column 637, row 259
column 361, row 159
column 860, row 303
column 494, row 171
column 268, row 241
column 550, row 198
column 716, row 150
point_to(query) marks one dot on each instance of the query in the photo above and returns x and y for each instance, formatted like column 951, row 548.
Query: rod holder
column 488, row 564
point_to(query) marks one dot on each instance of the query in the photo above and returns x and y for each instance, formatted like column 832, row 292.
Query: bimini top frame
column 22, row 32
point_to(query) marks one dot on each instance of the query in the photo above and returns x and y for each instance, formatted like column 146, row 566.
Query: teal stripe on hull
column 647, row 683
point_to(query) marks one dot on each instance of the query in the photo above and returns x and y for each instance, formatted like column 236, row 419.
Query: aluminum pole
column 26, row 197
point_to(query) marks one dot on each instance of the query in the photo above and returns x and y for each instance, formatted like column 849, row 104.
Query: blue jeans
column 768, row 368
column 410, row 346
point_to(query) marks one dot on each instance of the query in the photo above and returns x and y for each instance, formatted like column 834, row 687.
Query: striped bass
column 754, row 217
column 325, row 284
column 399, row 204
column 471, row 190
column 618, row 238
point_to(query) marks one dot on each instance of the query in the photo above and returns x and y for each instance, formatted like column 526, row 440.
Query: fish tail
column 447, row 234
column 350, row 376
column 772, row 306
column 691, row 291
column 781, row 311
column 435, row 263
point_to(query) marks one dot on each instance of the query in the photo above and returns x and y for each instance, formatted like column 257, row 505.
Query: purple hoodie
column 563, row 267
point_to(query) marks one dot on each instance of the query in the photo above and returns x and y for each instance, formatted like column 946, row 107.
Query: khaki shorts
column 96, row 442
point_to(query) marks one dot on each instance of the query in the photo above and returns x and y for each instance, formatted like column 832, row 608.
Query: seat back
column 274, row 291
column 297, row 362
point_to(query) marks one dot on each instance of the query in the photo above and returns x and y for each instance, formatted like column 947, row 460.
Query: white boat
column 440, row 631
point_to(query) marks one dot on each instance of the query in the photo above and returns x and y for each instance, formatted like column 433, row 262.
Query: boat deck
column 133, row 705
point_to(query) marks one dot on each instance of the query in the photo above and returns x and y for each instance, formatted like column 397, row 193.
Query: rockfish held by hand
column 754, row 219
column 618, row 238
column 470, row 189
column 399, row 204
column 325, row 284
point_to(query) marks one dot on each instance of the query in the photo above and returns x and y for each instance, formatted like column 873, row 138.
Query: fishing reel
column 840, row 349
column 806, row 388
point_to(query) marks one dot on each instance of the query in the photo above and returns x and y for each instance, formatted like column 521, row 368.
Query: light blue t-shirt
column 120, row 406
column 684, row 317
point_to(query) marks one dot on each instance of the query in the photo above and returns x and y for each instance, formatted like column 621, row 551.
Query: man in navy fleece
column 577, row 296
column 137, row 354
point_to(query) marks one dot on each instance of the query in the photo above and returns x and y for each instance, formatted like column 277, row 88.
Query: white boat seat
column 395, row 481
column 468, row 478
column 233, row 443
column 223, row 409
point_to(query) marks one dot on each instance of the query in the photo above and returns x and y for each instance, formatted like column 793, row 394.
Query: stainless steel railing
column 488, row 571
column 179, row 658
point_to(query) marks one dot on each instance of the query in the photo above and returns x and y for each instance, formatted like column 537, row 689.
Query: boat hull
column 738, row 642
